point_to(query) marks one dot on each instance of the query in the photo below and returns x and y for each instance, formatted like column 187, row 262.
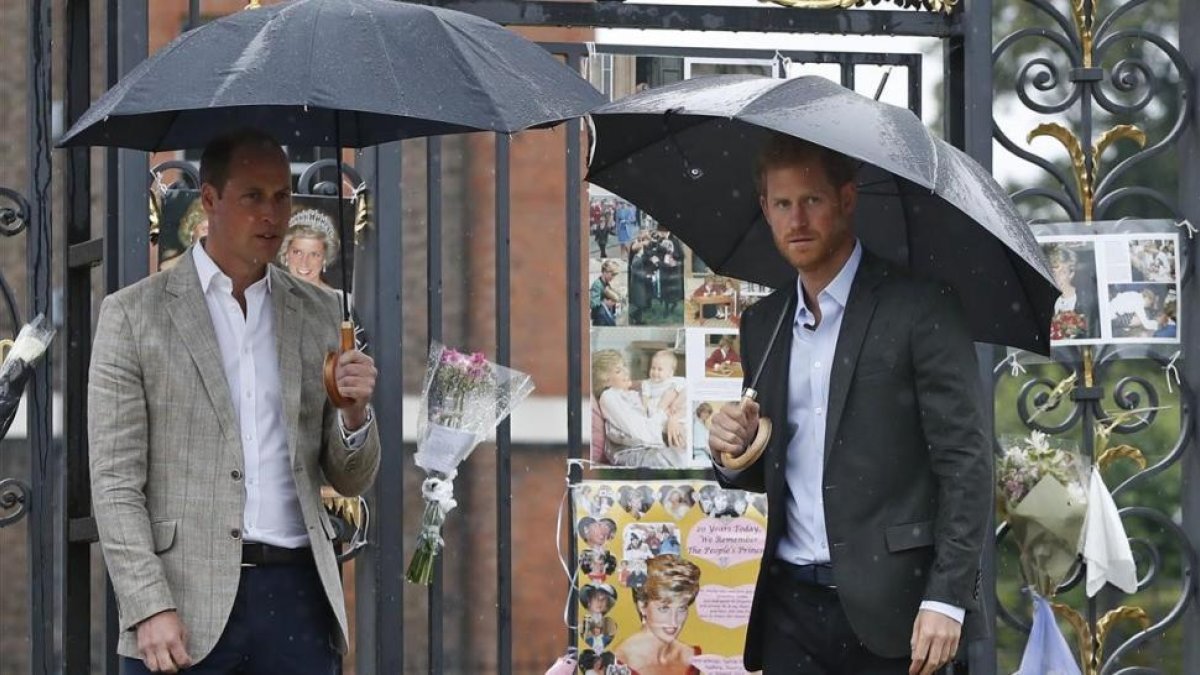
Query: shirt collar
column 207, row 270
column 838, row 289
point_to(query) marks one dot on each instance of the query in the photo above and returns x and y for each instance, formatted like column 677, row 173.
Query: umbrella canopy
column 685, row 154
column 372, row 70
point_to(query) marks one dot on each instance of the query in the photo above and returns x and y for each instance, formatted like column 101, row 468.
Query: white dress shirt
column 805, row 541
column 251, row 364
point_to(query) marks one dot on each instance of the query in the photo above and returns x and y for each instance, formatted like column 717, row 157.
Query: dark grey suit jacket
column 908, row 469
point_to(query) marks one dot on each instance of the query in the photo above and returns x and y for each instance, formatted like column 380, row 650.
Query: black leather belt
column 256, row 553
column 820, row 576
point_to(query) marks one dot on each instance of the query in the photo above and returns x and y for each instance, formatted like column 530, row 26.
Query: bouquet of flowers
column 17, row 365
column 1068, row 325
column 1042, row 491
column 464, row 397
column 1043, row 494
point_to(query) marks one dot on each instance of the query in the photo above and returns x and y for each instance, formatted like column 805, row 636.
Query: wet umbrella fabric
column 685, row 154
column 378, row 69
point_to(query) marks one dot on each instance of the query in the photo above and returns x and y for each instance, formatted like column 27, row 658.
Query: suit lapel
column 189, row 313
column 288, row 326
column 860, row 307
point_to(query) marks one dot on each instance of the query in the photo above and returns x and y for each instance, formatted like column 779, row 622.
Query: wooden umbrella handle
column 756, row 447
column 330, row 370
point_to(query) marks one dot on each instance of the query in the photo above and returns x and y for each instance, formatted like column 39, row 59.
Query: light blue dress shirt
column 806, row 541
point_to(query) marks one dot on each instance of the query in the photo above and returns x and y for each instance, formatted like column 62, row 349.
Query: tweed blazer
column 166, row 457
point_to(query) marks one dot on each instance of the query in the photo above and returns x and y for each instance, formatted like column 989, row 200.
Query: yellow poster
column 665, row 575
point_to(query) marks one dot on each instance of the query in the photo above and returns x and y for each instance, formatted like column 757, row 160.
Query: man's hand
column 934, row 642
column 162, row 642
column 732, row 429
column 355, row 380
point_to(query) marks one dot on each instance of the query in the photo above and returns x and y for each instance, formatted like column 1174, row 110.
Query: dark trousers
column 281, row 622
column 807, row 633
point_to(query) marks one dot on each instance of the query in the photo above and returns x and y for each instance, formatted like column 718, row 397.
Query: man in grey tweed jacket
column 211, row 434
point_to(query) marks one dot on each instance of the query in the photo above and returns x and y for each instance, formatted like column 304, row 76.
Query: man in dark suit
column 878, row 473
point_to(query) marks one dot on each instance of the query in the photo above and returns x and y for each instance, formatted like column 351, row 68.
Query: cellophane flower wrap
column 463, row 398
column 18, row 361
column 1042, row 488
column 1042, row 491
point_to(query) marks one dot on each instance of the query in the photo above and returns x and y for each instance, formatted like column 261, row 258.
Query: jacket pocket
column 909, row 536
column 163, row 532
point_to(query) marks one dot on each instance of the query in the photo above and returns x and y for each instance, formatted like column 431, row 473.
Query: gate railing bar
column 433, row 257
column 503, row 431
column 83, row 253
column 744, row 17
column 379, row 575
column 1189, row 187
column 47, row 483
column 574, row 220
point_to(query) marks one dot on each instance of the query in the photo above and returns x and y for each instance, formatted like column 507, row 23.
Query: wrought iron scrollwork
column 14, row 215
column 1075, row 72
column 1046, row 404
column 14, row 500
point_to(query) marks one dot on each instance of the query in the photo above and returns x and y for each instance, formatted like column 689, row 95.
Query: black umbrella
column 336, row 73
column 303, row 71
column 685, row 154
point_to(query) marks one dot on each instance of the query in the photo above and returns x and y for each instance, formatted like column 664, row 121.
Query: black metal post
column 193, row 14
column 574, row 327
column 1189, row 187
column 133, row 167
column 503, row 431
column 46, row 515
column 77, row 266
column 379, row 604
column 433, row 258
column 969, row 85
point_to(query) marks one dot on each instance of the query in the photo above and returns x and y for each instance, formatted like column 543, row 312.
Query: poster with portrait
column 669, row 563
column 319, row 213
column 1119, row 282
column 177, row 221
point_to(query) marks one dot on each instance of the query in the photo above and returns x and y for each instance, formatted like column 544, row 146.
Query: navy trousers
column 281, row 622
column 810, row 635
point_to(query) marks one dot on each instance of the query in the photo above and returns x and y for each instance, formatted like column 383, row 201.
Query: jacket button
column 235, row 533
column 235, row 474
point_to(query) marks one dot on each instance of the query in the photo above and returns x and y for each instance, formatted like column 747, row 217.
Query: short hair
column 218, row 154
column 785, row 150
column 609, row 266
column 670, row 576
column 668, row 354
column 703, row 408
column 603, row 364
